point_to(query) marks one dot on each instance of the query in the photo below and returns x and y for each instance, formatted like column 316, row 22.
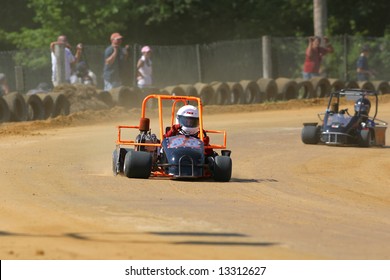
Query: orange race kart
column 180, row 156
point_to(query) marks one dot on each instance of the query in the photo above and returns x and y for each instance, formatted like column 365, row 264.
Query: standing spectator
column 114, row 62
column 314, row 54
column 70, row 60
column 4, row 89
column 363, row 70
column 144, row 68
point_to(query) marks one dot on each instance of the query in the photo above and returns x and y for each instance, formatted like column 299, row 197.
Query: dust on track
column 89, row 117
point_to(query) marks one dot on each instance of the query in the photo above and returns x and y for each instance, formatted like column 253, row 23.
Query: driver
column 187, row 123
column 362, row 106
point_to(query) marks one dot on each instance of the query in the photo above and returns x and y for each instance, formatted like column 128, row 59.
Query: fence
column 220, row 61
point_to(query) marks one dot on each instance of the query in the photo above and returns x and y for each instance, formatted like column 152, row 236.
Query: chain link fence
column 228, row 61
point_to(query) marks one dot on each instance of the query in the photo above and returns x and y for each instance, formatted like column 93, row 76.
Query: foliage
column 168, row 22
column 181, row 21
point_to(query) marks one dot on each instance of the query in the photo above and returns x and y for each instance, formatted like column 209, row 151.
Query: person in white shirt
column 70, row 60
column 144, row 68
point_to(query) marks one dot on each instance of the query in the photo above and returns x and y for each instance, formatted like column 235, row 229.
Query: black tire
column 137, row 164
column 365, row 138
column 61, row 104
column 35, row 109
column 310, row 134
column 222, row 168
column 115, row 169
column 17, row 106
column 5, row 114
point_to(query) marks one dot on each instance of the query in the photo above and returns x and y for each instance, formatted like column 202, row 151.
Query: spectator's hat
column 146, row 49
column 116, row 36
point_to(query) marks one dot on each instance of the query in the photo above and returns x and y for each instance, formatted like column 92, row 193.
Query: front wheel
column 310, row 134
column 222, row 168
column 365, row 138
column 137, row 164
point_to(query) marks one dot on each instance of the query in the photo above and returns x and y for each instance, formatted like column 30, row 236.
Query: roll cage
column 351, row 94
column 175, row 100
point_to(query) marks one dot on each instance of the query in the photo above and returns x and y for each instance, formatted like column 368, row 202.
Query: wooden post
column 345, row 54
column 59, row 52
column 199, row 63
column 267, row 57
column 19, row 79
column 320, row 18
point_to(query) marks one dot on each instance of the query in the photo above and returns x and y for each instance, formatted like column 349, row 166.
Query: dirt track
column 286, row 200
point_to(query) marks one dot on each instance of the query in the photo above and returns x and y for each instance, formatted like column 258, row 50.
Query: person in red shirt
column 314, row 54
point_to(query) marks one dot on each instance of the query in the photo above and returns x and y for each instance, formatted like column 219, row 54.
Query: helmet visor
column 188, row 121
column 362, row 107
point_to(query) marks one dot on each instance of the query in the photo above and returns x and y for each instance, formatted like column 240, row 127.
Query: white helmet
column 188, row 118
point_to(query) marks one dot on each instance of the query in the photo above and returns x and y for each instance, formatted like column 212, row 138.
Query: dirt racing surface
column 286, row 200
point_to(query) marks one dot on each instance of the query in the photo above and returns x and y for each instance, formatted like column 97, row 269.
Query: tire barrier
column 126, row 97
column 321, row 86
column 352, row 84
column 251, row 91
column 5, row 114
column 305, row 89
column 105, row 97
column 382, row 87
column 189, row 90
column 268, row 89
column 336, row 85
column 61, row 104
column 205, row 92
column 71, row 98
column 366, row 85
column 17, row 106
column 221, row 93
column 175, row 90
column 288, row 89
column 35, row 108
column 236, row 93
column 48, row 104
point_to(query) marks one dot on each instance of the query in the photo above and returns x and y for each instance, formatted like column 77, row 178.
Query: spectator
column 70, row 60
column 83, row 75
column 114, row 62
column 144, row 68
column 4, row 89
column 363, row 70
column 314, row 54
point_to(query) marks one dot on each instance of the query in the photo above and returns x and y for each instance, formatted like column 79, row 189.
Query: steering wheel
column 343, row 111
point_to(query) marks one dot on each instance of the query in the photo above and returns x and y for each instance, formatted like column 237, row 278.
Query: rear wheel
column 222, row 168
column 137, row 164
column 310, row 134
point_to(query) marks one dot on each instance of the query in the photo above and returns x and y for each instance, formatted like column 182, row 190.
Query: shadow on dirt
column 261, row 180
column 113, row 237
column 222, row 243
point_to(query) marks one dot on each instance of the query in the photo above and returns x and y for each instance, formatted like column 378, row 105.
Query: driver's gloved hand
column 176, row 127
column 343, row 111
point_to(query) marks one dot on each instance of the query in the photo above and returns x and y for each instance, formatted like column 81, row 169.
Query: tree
column 181, row 21
column 80, row 20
